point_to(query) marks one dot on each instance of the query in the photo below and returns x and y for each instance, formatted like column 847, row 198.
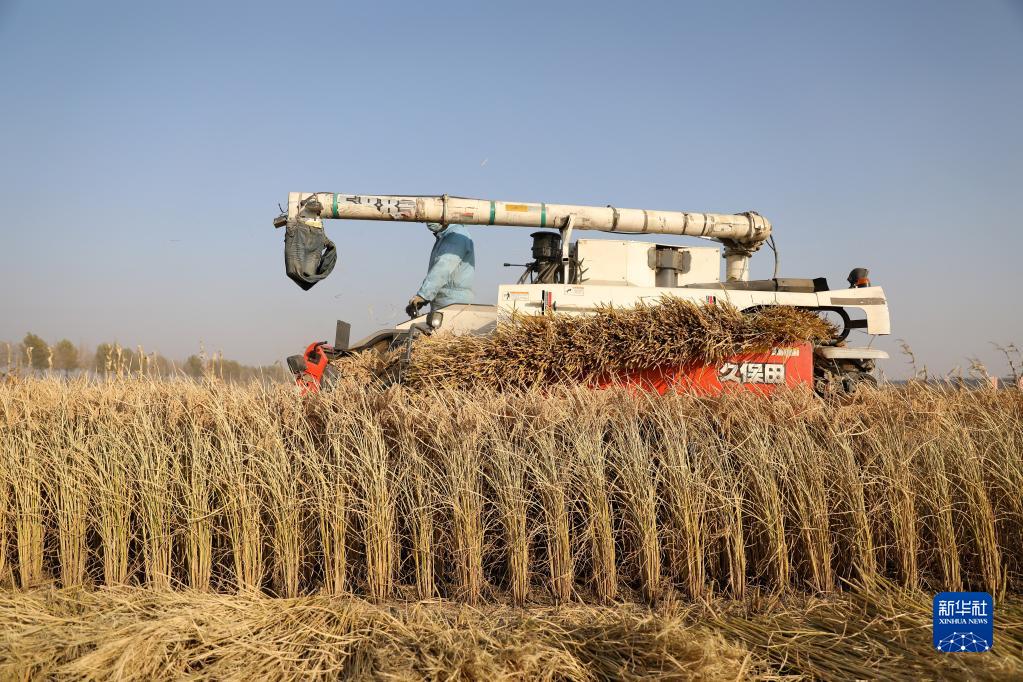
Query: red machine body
column 761, row 373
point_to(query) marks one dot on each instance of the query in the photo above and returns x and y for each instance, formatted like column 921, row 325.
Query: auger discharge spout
column 742, row 233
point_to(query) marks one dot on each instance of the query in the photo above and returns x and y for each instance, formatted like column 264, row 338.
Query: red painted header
column 758, row 372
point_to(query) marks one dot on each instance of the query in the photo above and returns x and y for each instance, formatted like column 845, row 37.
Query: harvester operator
column 452, row 266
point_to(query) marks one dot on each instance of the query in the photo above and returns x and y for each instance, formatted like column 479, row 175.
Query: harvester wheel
column 833, row 378
column 853, row 380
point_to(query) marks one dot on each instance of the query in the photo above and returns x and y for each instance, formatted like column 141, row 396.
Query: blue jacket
column 452, row 266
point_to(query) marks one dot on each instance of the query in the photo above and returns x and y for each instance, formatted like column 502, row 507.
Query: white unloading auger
column 741, row 233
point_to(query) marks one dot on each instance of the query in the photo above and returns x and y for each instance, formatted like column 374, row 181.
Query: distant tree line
column 34, row 354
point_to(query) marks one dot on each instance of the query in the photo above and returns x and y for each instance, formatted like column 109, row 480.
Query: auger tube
column 741, row 233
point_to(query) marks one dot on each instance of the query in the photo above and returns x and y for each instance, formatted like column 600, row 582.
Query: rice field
column 178, row 529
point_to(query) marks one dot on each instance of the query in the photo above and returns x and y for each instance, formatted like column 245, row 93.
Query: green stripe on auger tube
column 335, row 206
column 543, row 215
column 493, row 212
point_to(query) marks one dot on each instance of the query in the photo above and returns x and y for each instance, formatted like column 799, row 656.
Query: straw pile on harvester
column 539, row 350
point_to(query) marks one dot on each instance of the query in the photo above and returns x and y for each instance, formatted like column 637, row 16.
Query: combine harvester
column 577, row 277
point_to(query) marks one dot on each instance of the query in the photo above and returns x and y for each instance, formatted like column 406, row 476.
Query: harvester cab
column 583, row 276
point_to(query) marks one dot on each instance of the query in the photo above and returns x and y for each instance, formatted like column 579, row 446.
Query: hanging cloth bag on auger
column 308, row 255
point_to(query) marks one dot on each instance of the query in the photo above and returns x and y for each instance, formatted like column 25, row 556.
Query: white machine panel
column 703, row 265
column 626, row 263
column 583, row 299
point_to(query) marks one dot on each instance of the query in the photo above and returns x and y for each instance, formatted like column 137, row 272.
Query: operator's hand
column 414, row 304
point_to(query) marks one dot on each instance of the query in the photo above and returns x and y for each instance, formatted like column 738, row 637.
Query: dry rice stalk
column 805, row 477
column 366, row 456
column 685, row 497
column 332, row 499
column 283, row 478
column 889, row 458
column 24, row 469
column 71, row 498
column 239, row 487
column 937, row 497
column 586, row 434
column 854, row 541
column 418, row 487
column 194, row 482
column 551, row 474
column 633, row 480
column 461, row 457
column 759, row 475
column 506, row 472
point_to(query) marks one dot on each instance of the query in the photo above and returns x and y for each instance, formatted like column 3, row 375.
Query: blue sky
column 144, row 148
